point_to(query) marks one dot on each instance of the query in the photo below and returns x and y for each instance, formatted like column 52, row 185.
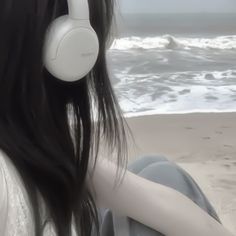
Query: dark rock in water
column 185, row 91
column 172, row 96
column 209, row 77
column 211, row 98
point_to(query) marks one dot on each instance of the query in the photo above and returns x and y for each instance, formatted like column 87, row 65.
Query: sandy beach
column 203, row 144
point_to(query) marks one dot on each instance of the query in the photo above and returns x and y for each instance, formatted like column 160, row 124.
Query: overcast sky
column 178, row 6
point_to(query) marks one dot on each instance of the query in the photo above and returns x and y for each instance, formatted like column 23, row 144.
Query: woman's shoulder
column 3, row 195
column 16, row 215
column 15, row 209
column 3, row 183
column 10, row 179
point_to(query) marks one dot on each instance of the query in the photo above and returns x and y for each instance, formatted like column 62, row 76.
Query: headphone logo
column 87, row 54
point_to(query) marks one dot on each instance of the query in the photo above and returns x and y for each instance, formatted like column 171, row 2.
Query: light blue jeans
column 160, row 170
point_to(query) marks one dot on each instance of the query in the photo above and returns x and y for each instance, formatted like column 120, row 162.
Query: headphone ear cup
column 71, row 51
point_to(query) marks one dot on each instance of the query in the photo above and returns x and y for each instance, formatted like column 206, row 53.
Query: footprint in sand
column 190, row 128
column 206, row 138
column 228, row 182
column 225, row 127
column 227, row 165
column 219, row 132
column 228, row 146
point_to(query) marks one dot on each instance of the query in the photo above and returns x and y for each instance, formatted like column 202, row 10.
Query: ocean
column 174, row 63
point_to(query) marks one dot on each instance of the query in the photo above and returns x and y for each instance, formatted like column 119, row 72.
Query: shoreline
column 142, row 114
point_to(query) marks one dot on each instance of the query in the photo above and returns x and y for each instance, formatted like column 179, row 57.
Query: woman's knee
column 168, row 174
column 142, row 162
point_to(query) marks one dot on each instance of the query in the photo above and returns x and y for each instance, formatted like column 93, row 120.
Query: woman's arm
column 157, row 206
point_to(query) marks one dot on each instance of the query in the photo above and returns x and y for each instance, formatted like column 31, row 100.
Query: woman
column 49, row 138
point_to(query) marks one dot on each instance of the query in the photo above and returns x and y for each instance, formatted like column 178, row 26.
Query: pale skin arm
column 157, row 206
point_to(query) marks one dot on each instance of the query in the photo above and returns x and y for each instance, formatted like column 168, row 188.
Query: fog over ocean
column 174, row 63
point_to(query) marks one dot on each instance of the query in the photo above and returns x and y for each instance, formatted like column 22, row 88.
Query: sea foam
column 171, row 42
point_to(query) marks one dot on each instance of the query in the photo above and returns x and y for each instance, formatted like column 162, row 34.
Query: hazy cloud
column 178, row 5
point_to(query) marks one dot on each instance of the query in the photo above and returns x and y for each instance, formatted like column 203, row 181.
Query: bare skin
column 157, row 206
column 152, row 204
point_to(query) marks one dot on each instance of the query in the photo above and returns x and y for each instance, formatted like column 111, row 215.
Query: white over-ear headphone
column 71, row 46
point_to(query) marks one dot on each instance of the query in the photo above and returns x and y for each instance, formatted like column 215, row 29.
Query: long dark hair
column 48, row 128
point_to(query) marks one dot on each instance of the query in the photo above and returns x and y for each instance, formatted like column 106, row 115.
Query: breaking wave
column 171, row 42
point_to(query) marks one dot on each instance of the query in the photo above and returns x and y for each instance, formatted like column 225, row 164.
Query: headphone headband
column 78, row 9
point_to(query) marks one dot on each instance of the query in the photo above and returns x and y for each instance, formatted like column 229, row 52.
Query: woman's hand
column 157, row 206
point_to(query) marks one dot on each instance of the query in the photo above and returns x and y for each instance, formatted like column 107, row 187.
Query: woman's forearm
column 157, row 206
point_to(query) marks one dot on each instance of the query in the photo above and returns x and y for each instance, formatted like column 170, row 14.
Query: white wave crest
column 171, row 42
